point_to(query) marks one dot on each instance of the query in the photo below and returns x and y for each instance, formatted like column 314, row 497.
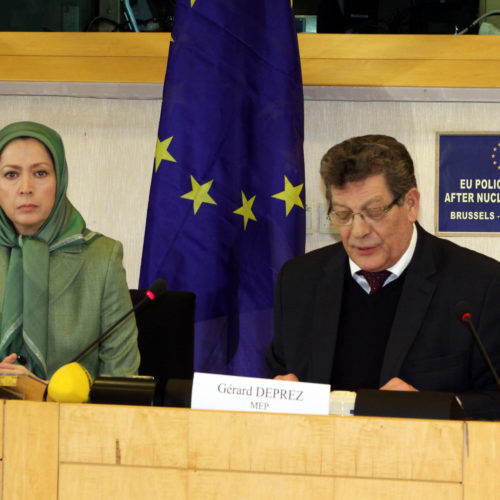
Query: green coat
column 87, row 293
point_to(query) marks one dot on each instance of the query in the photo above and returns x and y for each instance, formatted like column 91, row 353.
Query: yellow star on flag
column 246, row 209
column 199, row 194
column 162, row 153
column 192, row 2
column 290, row 195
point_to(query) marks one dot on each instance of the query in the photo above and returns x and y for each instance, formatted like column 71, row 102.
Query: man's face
column 375, row 246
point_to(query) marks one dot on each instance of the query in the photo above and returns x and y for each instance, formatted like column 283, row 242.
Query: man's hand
column 396, row 384
column 289, row 376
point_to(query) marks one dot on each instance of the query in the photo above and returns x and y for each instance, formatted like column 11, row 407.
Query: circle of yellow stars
column 493, row 156
column 199, row 193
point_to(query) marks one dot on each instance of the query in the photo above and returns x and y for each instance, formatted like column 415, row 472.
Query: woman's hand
column 10, row 359
column 9, row 363
column 32, row 387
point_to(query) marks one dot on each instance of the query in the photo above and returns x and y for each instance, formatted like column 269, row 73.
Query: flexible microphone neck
column 156, row 289
column 464, row 315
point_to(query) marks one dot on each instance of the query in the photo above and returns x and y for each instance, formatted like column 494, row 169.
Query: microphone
column 462, row 310
column 71, row 382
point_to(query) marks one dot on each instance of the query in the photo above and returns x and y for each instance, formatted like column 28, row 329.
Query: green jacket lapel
column 64, row 268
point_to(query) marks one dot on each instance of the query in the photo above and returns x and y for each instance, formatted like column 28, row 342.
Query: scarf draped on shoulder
column 24, row 314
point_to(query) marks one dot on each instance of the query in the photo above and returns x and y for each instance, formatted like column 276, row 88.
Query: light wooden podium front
column 64, row 451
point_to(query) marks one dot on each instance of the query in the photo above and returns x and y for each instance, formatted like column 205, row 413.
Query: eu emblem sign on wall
column 468, row 190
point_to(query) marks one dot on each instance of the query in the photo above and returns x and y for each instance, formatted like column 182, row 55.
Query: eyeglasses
column 370, row 214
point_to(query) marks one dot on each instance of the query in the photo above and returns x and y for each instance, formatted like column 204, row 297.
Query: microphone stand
column 158, row 287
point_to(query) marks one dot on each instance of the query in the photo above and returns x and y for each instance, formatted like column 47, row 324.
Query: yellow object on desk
column 70, row 384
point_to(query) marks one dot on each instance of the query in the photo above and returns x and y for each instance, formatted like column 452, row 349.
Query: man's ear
column 413, row 202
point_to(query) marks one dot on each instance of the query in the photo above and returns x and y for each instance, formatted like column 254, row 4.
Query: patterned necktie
column 375, row 280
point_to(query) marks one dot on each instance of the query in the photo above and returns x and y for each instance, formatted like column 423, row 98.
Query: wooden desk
column 52, row 451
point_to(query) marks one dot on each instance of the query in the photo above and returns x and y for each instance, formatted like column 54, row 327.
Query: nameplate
column 228, row 392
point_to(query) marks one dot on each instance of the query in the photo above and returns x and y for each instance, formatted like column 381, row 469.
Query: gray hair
column 358, row 158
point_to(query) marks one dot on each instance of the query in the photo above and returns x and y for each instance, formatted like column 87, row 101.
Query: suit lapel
column 64, row 267
column 416, row 296
column 326, row 318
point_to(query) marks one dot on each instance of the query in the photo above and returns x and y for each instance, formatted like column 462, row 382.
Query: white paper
column 228, row 392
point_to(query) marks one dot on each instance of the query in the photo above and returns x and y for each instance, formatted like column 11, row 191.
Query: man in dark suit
column 333, row 324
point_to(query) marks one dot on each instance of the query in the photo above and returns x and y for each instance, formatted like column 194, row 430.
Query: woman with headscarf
column 61, row 285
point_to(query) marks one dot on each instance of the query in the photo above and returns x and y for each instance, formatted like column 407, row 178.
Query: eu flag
column 226, row 206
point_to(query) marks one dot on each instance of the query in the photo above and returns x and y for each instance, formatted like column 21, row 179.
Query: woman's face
column 27, row 184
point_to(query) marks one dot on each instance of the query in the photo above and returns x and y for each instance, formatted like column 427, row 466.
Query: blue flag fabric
column 226, row 206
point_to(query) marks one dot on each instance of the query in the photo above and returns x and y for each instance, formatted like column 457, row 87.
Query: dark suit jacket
column 428, row 346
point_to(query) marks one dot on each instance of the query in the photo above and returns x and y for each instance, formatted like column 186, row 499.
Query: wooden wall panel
column 400, row 60
column 336, row 59
column 83, row 57
column 31, row 433
column 207, row 485
column 84, row 69
column 378, row 489
column 94, row 482
column 264, row 443
column 398, row 47
column 2, row 413
column 2, row 408
column 204, row 485
column 400, row 73
column 482, row 461
column 305, row 444
column 84, row 44
column 98, row 482
column 123, row 435
column 402, row 450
